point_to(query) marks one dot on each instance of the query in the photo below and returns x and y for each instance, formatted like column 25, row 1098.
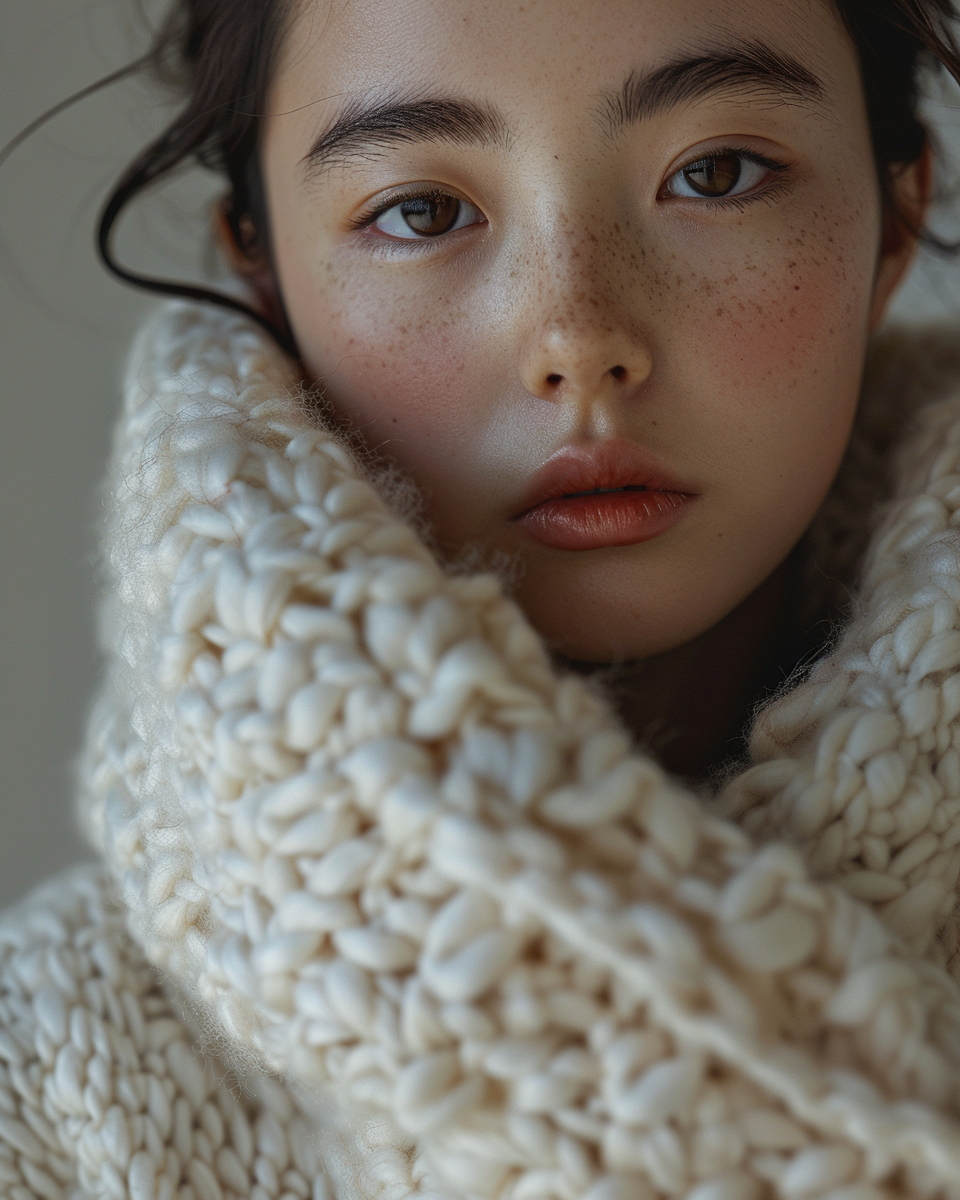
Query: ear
column 911, row 186
column 240, row 246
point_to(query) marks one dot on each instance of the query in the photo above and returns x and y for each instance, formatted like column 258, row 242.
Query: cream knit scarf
column 453, row 933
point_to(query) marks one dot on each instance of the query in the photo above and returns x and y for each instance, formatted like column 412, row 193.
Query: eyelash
column 365, row 219
column 768, row 192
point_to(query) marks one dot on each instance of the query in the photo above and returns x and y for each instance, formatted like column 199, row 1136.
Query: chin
column 611, row 644
column 609, row 615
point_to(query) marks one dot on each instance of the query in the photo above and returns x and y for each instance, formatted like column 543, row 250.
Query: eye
column 717, row 176
column 426, row 216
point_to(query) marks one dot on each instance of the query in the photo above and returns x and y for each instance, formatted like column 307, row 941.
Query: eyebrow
column 751, row 67
column 365, row 128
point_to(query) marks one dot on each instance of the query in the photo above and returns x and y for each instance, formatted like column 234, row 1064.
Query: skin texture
column 469, row 359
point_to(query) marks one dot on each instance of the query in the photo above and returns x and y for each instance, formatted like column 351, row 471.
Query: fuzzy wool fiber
column 391, row 908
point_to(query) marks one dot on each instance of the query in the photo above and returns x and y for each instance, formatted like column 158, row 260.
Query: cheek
column 771, row 372
column 793, row 311
column 783, row 339
column 389, row 364
column 424, row 381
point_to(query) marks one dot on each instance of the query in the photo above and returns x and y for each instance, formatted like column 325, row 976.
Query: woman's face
column 597, row 274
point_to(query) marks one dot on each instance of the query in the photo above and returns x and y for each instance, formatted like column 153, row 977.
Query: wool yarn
column 860, row 766
column 101, row 1090
column 425, row 907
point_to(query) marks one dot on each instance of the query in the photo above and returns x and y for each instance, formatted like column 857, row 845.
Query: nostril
column 553, row 380
column 618, row 372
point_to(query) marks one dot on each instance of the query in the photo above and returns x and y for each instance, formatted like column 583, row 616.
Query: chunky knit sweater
column 391, row 908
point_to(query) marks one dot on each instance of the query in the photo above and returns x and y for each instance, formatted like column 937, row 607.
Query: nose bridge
column 582, row 329
column 578, row 269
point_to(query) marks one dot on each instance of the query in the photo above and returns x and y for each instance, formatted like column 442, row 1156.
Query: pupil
column 714, row 176
column 430, row 214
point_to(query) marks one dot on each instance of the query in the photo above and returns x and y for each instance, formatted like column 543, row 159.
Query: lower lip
column 601, row 519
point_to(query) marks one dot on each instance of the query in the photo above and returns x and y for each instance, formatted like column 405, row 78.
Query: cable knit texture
column 391, row 908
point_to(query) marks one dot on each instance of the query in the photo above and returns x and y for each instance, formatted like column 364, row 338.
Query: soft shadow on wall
column 64, row 332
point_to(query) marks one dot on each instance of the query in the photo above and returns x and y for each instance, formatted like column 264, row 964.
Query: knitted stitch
column 382, row 851
column 100, row 1085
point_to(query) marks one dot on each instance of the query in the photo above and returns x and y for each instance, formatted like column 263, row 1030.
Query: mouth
column 595, row 495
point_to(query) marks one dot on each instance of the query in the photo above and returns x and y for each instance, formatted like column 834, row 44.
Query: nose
column 583, row 341
column 577, row 361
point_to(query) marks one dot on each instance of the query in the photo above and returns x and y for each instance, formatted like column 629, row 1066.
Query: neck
column 691, row 706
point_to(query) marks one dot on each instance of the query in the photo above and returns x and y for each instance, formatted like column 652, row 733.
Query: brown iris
column 714, row 176
column 430, row 214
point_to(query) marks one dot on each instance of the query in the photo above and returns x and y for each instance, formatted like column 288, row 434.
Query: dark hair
column 895, row 40
column 219, row 54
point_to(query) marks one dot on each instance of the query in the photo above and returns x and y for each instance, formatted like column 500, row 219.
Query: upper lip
column 593, row 466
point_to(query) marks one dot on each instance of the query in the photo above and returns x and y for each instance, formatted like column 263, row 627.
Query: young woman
column 553, row 360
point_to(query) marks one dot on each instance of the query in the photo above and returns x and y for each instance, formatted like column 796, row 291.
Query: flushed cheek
column 783, row 320
column 404, row 376
column 776, row 375
column 783, row 344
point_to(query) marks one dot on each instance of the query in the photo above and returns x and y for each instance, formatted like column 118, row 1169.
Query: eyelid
column 382, row 204
column 747, row 152
column 379, row 205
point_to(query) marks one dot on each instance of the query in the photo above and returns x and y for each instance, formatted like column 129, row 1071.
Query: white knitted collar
column 389, row 853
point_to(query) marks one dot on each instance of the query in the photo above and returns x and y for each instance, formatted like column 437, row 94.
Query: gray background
column 63, row 332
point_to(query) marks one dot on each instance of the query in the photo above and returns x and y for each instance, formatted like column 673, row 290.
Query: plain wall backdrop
column 64, row 329
column 63, row 334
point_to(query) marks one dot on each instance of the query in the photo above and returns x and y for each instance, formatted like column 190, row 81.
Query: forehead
column 514, row 50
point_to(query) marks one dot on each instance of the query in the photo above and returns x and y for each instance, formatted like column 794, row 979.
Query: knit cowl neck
column 386, row 852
